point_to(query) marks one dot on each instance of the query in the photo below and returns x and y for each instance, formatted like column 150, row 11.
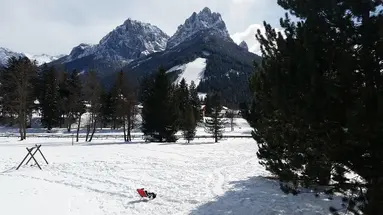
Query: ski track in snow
column 102, row 179
column 218, row 181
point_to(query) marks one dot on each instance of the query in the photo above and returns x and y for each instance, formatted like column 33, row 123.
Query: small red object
column 141, row 192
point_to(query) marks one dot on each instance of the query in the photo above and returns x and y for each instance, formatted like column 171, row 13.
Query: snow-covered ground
column 102, row 177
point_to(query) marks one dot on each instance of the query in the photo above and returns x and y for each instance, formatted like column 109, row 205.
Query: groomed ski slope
column 192, row 71
column 101, row 178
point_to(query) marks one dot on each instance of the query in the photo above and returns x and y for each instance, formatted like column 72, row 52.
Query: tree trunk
column 78, row 127
column 20, row 129
column 87, row 132
column 69, row 125
column 129, row 129
column 24, row 125
column 94, row 130
column 124, row 127
column 232, row 124
column 30, row 119
column 114, row 123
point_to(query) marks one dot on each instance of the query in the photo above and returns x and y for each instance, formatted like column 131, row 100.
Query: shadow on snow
column 262, row 196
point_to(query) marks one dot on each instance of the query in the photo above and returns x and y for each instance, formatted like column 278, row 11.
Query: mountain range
column 40, row 59
column 201, row 50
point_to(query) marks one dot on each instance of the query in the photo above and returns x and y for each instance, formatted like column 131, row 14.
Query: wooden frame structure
column 36, row 149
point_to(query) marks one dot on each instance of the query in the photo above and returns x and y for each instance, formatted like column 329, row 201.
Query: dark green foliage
column 64, row 93
column 215, row 123
column 108, row 108
column 195, row 102
column 190, row 124
column 318, row 92
column 188, row 103
column 49, row 98
column 160, row 115
column 183, row 101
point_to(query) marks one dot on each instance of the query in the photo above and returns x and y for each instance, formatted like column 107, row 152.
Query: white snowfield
column 102, row 177
column 192, row 71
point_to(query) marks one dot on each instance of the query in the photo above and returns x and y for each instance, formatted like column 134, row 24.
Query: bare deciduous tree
column 230, row 114
column 92, row 92
column 18, row 90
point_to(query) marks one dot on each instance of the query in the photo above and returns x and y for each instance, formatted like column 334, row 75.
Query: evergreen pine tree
column 190, row 124
column 208, row 105
column 183, row 101
column 195, row 101
column 64, row 93
column 107, row 111
column 316, row 111
column 49, row 98
column 215, row 123
column 160, row 117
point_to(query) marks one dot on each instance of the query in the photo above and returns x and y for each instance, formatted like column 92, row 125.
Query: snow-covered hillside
column 5, row 54
column 42, row 58
column 101, row 178
column 192, row 71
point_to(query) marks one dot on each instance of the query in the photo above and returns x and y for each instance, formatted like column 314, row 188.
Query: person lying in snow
column 143, row 193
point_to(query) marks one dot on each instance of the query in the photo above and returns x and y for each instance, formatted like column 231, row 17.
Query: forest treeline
column 62, row 98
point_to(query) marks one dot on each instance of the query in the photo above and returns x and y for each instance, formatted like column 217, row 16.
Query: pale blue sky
column 56, row 26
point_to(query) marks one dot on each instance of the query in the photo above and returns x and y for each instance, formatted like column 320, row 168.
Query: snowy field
column 102, row 177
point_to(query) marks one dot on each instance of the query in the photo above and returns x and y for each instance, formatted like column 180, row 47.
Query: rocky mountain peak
column 132, row 40
column 128, row 41
column 5, row 54
column 243, row 45
column 197, row 22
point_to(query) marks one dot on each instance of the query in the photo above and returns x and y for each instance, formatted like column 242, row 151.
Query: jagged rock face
column 80, row 51
column 5, row 54
column 131, row 40
column 127, row 42
column 243, row 45
column 196, row 23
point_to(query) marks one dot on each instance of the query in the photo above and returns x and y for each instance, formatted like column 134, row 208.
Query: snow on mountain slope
column 129, row 41
column 192, row 71
column 5, row 54
column 42, row 58
column 205, row 19
column 102, row 177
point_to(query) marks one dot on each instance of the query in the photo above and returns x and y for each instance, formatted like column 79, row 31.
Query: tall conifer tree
column 215, row 123
column 49, row 98
column 317, row 95
column 160, row 118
